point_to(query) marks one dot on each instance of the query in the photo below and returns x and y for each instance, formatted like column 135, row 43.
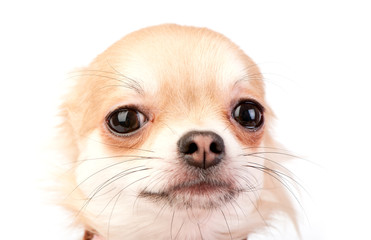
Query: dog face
column 164, row 131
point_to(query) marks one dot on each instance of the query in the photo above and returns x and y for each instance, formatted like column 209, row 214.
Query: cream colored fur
column 183, row 78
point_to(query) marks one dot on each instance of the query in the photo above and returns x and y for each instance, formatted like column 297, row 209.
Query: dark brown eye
column 125, row 120
column 249, row 114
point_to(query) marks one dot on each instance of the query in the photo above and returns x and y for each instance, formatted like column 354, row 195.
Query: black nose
column 201, row 149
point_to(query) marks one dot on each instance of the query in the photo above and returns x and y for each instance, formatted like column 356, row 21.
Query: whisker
column 139, row 157
column 171, row 226
column 113, row 179
column 181, row 226
column 133, row 182
column 108, row 182
column 155, row 179
column 93, row 70
column 235, row 210
column 123, row 83
column 265, row 168
column 277, row 153
column 265, row 147
column 292, row 175
column 199, row 230
column 269, row 160
column 94, row 75
column 101, row 170
column 128, row 81
column 238, row 205
column 253, row 189
column 278, row 176
column 226, row 222
column 117, row 198
column 244, row 177
column 160, row 211
column 110, row 217
column 284, row 153
column 135, row 83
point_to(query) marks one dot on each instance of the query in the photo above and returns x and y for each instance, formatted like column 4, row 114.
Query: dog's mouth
column 197, row 193
column 199, row 188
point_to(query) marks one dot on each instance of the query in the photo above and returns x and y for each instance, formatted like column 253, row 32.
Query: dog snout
column 201, row 149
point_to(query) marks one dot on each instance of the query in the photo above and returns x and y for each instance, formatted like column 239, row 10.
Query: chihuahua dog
column 167, row 135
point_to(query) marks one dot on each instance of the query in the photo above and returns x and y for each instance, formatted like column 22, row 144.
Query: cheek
column 246, row 145
column 248, row 139
column 92, row 159
column 102, row 170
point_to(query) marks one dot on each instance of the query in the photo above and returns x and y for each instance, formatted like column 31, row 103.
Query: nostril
column 216, row 148
column 191, row 148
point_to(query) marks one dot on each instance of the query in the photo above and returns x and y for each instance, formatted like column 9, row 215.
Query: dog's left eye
column 249, row 114
column 125, row 120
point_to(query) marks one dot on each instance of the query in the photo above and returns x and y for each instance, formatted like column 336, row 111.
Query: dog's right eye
column 125, row 120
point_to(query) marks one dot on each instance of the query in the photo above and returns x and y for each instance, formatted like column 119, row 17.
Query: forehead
column 172, row 63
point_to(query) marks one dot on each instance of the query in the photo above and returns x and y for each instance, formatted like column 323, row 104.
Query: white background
column 316, row 57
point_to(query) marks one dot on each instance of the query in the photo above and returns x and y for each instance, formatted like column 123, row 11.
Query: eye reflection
column 125, row 120
column 249, row 114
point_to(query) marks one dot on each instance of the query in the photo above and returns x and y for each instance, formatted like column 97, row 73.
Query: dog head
column 166, row 133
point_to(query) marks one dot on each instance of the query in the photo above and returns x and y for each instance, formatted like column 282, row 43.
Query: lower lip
column 198, row 189
column 189, row 191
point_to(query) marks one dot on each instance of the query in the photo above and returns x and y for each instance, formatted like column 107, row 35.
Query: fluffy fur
column 182, row 79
